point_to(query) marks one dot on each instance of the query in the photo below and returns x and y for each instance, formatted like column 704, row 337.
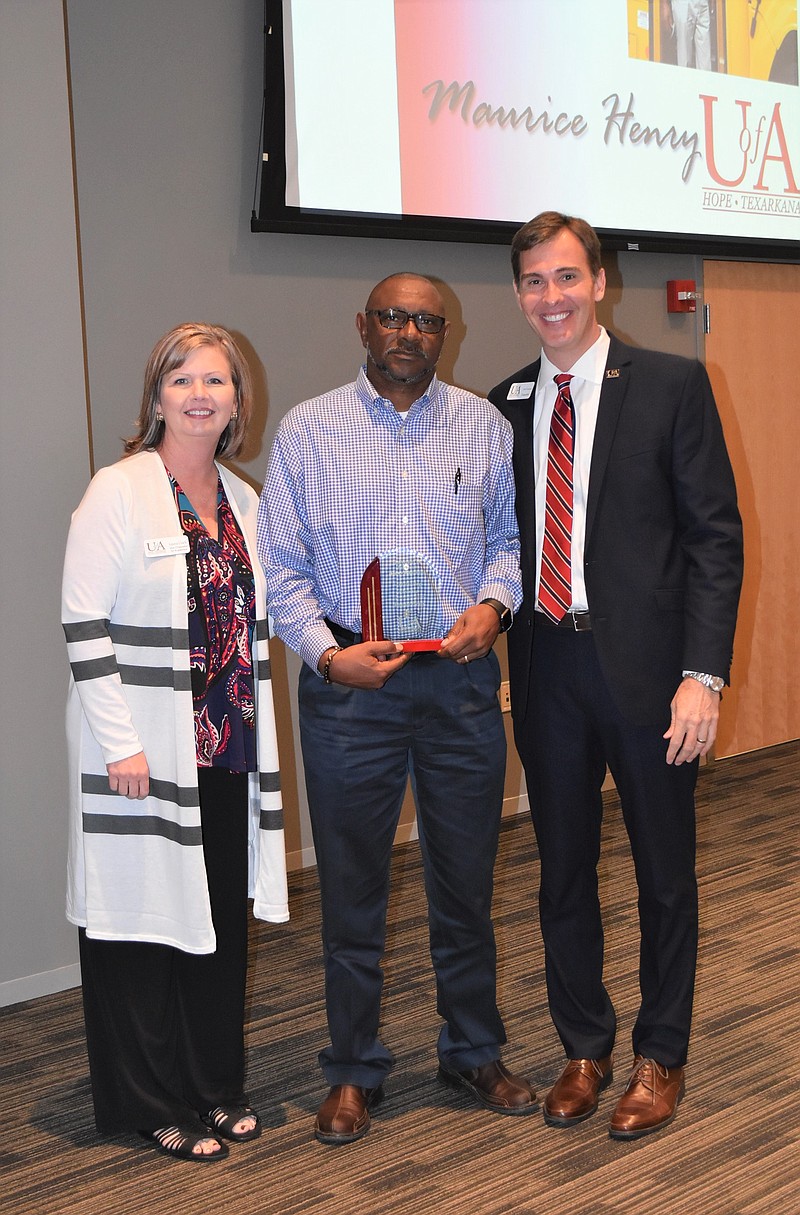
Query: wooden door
column 753, row 360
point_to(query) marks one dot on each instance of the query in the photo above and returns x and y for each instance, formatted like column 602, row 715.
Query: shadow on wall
column 254, row 442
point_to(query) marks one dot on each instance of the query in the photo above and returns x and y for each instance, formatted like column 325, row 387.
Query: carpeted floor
column 733, row 1149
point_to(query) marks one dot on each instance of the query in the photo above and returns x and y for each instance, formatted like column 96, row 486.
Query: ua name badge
column 166, row 546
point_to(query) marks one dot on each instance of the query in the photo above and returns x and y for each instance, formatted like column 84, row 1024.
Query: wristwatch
column 714, row 682
column 505, row 613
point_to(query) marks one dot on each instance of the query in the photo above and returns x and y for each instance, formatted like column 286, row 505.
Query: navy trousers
column 571, row 731
column 440, row 723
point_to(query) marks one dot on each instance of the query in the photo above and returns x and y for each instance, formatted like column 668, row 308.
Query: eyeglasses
column 398, row 318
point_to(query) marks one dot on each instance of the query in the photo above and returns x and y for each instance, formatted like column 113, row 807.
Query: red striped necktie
column 555, row 579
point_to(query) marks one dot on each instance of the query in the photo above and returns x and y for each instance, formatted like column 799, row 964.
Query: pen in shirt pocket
column 456, row 481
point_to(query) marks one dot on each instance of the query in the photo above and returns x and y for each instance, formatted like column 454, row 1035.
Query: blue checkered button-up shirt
column 350, row 479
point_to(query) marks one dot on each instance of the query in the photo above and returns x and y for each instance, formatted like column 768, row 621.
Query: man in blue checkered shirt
column 417, row 473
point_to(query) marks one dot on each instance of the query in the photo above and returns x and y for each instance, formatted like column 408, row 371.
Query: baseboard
column 302, row 858
column 30, row 987
column 516, row 805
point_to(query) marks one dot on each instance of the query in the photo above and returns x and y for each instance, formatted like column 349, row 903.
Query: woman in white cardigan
column 175, row 809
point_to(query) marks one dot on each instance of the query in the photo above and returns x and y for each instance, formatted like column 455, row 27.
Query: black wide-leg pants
column 165, row 1028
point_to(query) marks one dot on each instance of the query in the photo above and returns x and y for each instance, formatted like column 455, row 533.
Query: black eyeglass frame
column 422, row 320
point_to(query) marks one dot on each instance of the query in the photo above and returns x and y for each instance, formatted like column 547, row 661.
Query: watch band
column 505, row 613
column 715, row 682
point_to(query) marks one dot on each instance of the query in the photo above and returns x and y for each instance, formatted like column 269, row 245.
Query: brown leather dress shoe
column 494, row 1086
column 574, row 1095
column 650, row 1100
column 344, row 1114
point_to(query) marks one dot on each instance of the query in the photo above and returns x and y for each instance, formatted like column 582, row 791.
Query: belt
column 343, row 636
column 577, row 622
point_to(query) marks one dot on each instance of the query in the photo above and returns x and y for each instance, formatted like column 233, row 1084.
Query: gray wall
column 166, row 107
column 44, row 463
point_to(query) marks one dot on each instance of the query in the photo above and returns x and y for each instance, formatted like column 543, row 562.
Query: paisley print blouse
column 221, row 597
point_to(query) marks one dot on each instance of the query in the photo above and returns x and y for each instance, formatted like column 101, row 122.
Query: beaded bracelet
column 326, row 670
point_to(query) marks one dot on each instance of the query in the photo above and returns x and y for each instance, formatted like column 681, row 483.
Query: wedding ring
column 700, row 740
column 466, row 658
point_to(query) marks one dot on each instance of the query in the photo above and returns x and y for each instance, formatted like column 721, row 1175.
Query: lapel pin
column 612, row 373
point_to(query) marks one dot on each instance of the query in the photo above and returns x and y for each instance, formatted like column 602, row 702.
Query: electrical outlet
column 505, row 696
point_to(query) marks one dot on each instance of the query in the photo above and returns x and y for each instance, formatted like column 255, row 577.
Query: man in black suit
column 618, row 655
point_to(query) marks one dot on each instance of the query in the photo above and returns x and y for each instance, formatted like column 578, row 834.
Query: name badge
column 166, row 546
column 521, row 392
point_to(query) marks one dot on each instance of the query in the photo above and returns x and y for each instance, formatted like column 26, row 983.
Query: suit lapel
column 612, row 394
column 520, row 415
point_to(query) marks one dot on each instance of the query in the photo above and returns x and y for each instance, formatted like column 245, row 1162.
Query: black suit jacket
column 663, row 552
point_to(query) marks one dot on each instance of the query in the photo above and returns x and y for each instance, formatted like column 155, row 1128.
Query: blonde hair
column 170, row 352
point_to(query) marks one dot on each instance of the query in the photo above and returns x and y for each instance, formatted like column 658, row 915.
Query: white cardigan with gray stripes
column 136, row 868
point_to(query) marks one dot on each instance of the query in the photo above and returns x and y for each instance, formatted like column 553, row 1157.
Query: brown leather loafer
column 494, row 1086
column 574, row 1095
column 344, row 1114
column 650, row 1100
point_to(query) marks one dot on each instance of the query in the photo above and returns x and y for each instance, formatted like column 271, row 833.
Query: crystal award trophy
column 401, row 601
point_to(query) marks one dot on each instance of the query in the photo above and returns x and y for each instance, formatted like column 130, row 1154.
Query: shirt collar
column 591, row 366
column 377, row 404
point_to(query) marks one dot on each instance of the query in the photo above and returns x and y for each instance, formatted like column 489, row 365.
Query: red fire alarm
column 682, row 295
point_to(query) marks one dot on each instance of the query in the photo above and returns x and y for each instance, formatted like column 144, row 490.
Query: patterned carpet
column 733, row 1150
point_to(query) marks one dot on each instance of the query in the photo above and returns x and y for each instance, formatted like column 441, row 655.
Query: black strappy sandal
column 180, row 1143
column 222, row 1121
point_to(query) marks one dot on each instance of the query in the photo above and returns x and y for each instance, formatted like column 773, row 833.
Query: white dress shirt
column 588, row 373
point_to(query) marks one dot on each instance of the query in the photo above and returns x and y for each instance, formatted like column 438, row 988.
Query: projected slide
column 492, row 110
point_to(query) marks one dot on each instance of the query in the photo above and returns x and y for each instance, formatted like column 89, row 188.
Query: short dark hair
column 544, row 227
column 172, row 351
